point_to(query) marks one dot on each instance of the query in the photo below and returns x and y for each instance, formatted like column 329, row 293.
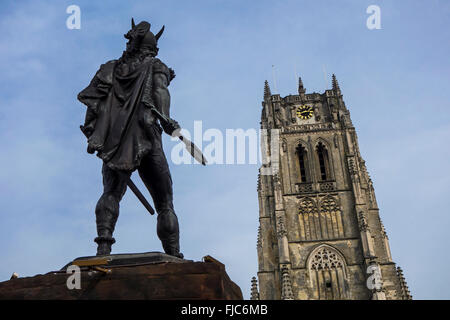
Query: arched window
column 330, row 213
column 309, row 220
column 302, row 161
column 324, row 167
column 327, row 273
column 321, row 220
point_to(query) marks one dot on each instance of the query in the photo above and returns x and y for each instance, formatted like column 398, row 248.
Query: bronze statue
column 124, row 100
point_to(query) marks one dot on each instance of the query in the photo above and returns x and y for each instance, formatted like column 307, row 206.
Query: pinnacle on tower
column 286, row 285
column 383, row 230
column 267, row 92
column 406, row 295
column 254, row 294
column 258, row 239
column 301, row 89
column 335, row 85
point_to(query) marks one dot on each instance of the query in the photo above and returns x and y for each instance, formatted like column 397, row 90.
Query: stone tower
column 320, row 233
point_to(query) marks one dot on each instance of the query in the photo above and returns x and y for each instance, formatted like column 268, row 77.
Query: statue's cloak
column 112, row 123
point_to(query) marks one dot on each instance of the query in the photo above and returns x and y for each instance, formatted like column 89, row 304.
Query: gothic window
column 327, row 274
column 324, row 165
column 308, row 220
column 320, row 221
column 331, row 218
column 302, row 161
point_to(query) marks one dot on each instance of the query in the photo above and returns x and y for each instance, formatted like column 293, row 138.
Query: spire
column 301, row 89
column 254, row 294
column 266, row 89
column 406, row 295
column 335, row 85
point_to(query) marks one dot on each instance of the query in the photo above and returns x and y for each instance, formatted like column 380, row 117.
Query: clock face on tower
column 305, row 112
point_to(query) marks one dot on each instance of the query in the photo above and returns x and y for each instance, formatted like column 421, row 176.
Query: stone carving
column 326, row 186
column 351, row 166
column 346, row 120
column 267, row 92
column 316, row 224
column 307, row 205
column 363, row 225
column 254, row 294
column 335, row 84
column 304, row 187
column 276, row 181
column 335, row 140
column 332, row 224
column 258, row 240
column 308, row 216
column 405, row 294
column 286, row 285
column 325, row 259
column 327, row 273
column 307, row 127
column 383, row 231
column 284, row 146
column 281, row 228
column 316, row 113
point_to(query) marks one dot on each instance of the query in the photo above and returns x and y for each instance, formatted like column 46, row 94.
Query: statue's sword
column 190, row 146
column 195, row 152
column 140, row 196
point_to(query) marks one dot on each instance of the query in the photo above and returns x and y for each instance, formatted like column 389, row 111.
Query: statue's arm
column 156, row 93
column 161, row 99
column 161, row 95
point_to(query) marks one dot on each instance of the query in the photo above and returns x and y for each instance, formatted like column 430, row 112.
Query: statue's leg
column 107, row 210
column 154, row 172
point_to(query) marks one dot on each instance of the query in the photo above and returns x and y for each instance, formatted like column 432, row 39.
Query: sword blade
column 195, row 152
column 140, row 196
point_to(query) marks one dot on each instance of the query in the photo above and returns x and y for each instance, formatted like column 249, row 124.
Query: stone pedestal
column 152, row 276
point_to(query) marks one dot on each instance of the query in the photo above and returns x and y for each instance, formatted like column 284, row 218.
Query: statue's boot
column 107, row 212
column 104, row 244
column 168, row 232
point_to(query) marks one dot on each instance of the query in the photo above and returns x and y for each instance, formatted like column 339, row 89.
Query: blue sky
column 395, row 82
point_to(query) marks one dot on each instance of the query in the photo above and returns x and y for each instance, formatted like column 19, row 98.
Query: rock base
column 143, row 276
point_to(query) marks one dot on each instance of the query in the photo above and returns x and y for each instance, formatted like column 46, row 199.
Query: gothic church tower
column 320, row 234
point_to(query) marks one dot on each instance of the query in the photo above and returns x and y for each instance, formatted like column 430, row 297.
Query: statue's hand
column 170, row 126
column 172, row 74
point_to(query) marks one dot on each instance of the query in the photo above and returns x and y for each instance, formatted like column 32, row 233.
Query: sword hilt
column 192, row 148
